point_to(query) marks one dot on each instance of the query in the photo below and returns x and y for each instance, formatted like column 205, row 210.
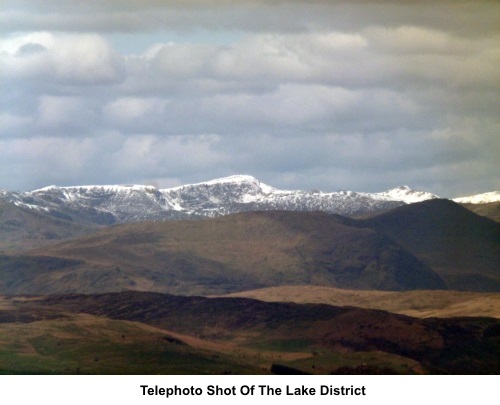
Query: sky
column 332, row 95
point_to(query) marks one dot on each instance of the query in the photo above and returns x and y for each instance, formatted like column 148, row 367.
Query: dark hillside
column 489, row 210
column 234, row 253
column 22, row 229
column 462, row 247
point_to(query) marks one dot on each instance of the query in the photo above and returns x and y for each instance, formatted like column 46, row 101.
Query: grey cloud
column 284, row 16
column 327, row 96
column 109, row 158
column 29, row 49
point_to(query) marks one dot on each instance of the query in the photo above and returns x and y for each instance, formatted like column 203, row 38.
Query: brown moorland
column 318, row 335
column 419, row 303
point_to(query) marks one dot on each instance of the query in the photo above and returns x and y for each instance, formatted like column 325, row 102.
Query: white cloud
column 179, row 61
column 127, row 110
column 61, row 113
column 75, row 59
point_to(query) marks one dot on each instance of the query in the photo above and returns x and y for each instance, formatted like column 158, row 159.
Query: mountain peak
column 238, row 178
column 48, row 188
column 234, row 179
column 405, row 194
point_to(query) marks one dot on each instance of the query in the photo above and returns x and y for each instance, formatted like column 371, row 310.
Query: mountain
column 486, row 204
column 462, row 247
column 404, row 194
column 24, row 228
column 102, row 205
column 435, row 244
column 485, row 198
column 106, row 205
column 219, row 255
column 489, row 210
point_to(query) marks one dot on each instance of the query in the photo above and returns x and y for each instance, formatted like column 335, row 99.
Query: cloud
column 75, row 59
column 351, row 95
column 110, row 158
column 62, row 114
column 134, row 112
column 11, row 122
column 249, row 15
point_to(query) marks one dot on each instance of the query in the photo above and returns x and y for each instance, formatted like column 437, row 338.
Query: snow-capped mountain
column 126, row 203
column 405, row 194
column 485, row 198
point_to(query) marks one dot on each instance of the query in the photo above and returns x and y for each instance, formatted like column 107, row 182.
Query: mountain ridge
column 483, row 198
column 108, row 204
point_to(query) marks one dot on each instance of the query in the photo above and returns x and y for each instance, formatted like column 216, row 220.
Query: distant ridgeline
column 105, row 205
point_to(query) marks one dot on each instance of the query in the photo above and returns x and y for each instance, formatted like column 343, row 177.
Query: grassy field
column 86, row 344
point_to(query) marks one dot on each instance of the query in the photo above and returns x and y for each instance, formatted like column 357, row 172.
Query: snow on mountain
column 405, row 194
column 125, row 203
column 227, row 190
column 493, row 196
column 105, row 204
